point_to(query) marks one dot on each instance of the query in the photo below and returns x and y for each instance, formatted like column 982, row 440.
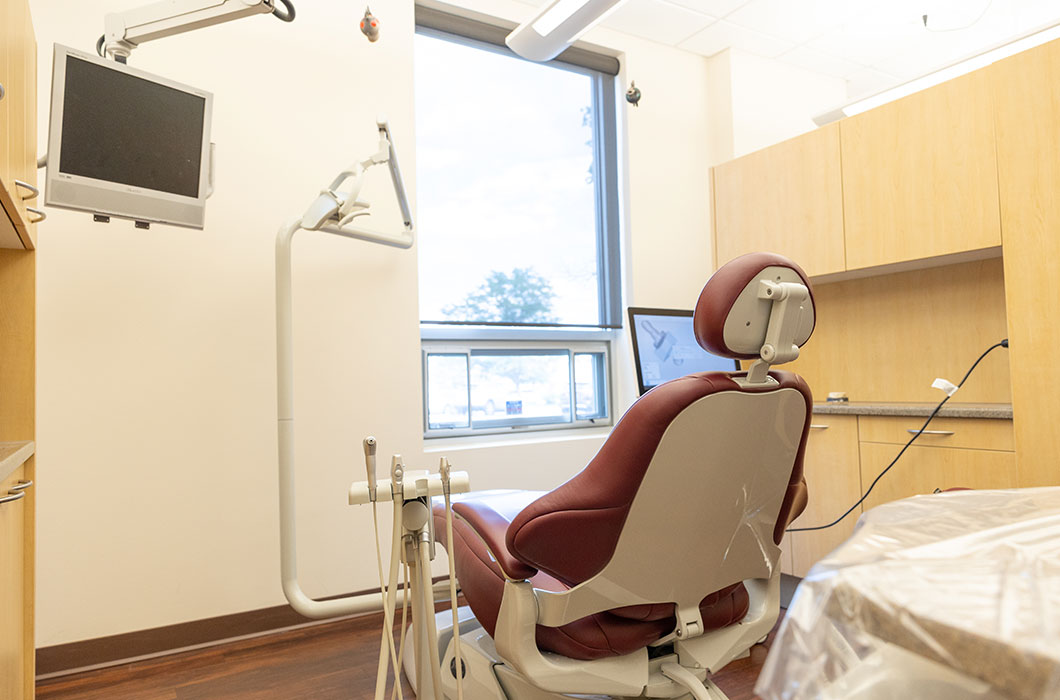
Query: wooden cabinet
column 17, row 397
column 920, row 175
column 18, row 126
column 834, row 483
column 18, row 162
column 976, row 434
column 1027, row 103
column 845, row 454
column 922, row 470
column 786, row 199
column 12, row 603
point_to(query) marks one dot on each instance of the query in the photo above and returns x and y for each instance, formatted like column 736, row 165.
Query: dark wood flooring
column 334, row 661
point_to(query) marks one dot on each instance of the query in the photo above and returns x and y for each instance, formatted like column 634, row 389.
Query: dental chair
column 657, row 564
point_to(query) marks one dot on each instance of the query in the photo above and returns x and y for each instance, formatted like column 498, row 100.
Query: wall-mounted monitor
column 125, row 143
column 665, row 347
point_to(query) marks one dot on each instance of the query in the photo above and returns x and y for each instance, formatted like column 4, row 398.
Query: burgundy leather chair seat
column 612, row 633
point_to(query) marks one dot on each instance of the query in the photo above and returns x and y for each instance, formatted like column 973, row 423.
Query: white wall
column 156, row 360
column 765, row 101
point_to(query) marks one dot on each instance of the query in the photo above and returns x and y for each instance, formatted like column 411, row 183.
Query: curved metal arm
column 285, row 433
column 33, row 191
column 12, row 496
column 285, row 396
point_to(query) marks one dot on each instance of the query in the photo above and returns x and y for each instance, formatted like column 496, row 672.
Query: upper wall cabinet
column 18, row 126
column 1027, row 95
column 785, row 199
column 920, row 175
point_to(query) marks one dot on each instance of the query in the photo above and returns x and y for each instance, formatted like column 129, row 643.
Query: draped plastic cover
column 953, row 595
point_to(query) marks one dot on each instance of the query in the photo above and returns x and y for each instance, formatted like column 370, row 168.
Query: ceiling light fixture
column 1027, row 41
column 557, row 26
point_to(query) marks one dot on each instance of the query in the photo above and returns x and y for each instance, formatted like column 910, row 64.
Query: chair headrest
column 733, row 315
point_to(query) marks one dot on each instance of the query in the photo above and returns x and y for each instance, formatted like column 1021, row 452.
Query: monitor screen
column 126, row 143
column 665, row 347
column 123, row 128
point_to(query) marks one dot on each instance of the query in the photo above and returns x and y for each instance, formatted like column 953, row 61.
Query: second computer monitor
column 665, row 347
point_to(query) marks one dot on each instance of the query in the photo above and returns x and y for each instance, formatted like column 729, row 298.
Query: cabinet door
column 784, row 199
column 973, row 433
column 11, row 594
column 28, row 165
column 1027, row 88
column 920, row 175
column 833, row 481
column 921, row 470
column 16, row 46
column 6, row 40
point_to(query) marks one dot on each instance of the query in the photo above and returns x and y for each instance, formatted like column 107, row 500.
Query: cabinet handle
column 41, row 216
column 818, row 426
column 914, row 431
column 14, row 496
column 21, row 486
column 1, row 91
column 33, row 190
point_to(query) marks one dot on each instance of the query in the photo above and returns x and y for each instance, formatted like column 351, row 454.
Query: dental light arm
column 334, row 210
column 126, row 30
column 325, row 214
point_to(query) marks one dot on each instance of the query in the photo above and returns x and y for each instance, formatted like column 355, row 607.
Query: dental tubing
column 446, row 470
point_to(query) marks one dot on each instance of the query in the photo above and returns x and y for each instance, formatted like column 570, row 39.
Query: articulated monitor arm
column 124, row 31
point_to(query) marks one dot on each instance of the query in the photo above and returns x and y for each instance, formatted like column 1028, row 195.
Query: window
column 517, row 207
column 479, row 387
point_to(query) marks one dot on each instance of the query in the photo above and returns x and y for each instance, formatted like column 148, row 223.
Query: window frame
column 602, row 69
column 529, row 347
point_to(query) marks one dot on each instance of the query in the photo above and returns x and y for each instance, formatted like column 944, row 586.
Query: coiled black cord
column 288, row 14
column 1002, row 344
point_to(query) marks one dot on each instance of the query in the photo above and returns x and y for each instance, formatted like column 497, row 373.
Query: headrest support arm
column 789, row 303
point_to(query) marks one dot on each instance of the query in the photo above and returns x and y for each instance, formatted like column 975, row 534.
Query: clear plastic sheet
column 952, row 595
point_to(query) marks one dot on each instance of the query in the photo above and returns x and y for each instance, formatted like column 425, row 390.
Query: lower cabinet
column 834, row 484
column 12, row 629
column 925, row 469
column 845, row 454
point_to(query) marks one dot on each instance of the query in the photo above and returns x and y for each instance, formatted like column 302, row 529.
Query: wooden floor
column 334, row 661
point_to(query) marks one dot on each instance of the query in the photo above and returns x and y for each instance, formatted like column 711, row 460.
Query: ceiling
column 872, row 44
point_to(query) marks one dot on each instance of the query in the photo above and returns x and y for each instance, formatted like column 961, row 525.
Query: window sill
column 528, row 437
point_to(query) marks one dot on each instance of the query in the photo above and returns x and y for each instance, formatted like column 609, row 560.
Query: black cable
column 286, row 16
column 1002, row 344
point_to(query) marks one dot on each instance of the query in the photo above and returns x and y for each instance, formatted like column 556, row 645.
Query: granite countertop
column 12, row 456
column 950, row 410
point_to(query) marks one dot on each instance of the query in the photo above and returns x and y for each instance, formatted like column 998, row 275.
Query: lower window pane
column 590, row 399
column 447, row 391
column 517, row 388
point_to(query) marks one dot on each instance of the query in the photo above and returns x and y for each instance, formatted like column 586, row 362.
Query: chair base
column 487, row 677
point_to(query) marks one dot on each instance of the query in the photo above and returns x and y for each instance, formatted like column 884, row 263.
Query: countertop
column 950, row 410
column 13, row 455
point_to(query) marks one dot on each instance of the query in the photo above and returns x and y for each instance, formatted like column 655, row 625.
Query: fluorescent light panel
column 555, row 27
column 937, row 77
column 557, row 15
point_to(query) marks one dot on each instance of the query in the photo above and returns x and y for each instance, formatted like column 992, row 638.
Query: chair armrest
column 491, row 527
